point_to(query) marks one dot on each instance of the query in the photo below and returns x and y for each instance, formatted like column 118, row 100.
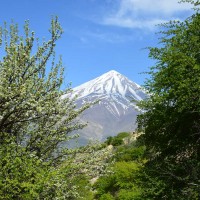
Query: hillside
column 116, row 109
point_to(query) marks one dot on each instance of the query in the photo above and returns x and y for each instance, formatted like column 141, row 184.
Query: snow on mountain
column 111, row 82
column 113, row 89
column 116, row 110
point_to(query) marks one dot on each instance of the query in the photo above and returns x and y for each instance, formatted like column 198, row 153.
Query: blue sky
column 99, row 35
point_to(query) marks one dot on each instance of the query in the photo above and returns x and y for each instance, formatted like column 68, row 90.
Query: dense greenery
column 117, row 140
column 122, row 178
column 35, row 122
column 34, row 119
column 169, row 158
column 172, row 119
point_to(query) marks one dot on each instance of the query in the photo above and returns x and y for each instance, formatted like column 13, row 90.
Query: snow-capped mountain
column 110, row 83
column 116, row 110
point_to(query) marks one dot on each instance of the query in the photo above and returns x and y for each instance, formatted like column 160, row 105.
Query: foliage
column 107, row 196
column 121, row 181
column 93, row 159
column 117, row 140
column 35, row 120
column 19, row 173
column 172, row 119
column 129, row 153
column 122, row 178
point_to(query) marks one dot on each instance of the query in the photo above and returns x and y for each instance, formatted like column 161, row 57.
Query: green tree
column 121, row 181
column 122, row 178
column 172, row 119
column 35, row 120
column 118, row 139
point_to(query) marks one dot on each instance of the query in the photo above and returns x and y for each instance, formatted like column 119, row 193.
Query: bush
column 117, row 140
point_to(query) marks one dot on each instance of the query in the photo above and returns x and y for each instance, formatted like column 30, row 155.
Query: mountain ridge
column 116, row 109
column 113, row 80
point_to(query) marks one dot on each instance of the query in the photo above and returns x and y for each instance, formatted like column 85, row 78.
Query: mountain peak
column 115, row 111
column 112, row 72
column 110, row 83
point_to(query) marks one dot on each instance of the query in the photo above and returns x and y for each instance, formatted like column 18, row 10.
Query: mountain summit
column 110, row 83
column 116, row 110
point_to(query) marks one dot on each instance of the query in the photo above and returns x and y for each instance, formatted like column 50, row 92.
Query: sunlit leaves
column 171, row 121
column 35, row 120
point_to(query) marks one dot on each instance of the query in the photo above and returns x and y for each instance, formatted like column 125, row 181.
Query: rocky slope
column 116, row 110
